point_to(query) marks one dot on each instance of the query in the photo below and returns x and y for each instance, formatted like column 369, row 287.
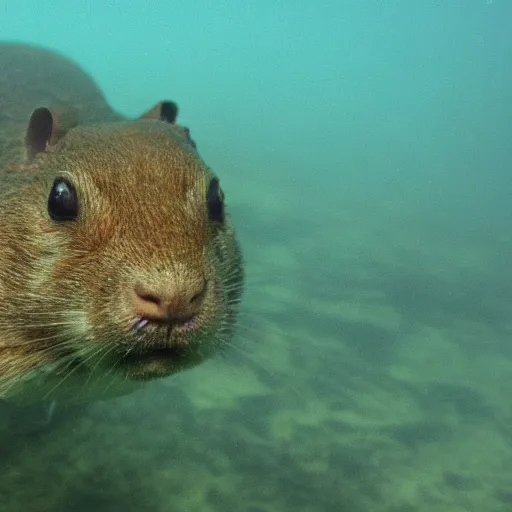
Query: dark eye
column 62, row 201
column 215, row 200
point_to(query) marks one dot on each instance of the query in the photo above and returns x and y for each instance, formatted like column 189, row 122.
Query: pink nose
column 168, row 305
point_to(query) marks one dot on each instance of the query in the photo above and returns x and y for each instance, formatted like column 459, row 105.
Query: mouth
column 164, row 348
column 142, row 324
column 160, row 362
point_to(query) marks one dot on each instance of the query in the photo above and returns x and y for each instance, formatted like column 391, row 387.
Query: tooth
column 140, row 323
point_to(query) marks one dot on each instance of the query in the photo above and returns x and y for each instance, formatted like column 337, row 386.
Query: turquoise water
column 364, row 148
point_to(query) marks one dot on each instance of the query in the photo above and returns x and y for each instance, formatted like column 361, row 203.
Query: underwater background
column 365, row 149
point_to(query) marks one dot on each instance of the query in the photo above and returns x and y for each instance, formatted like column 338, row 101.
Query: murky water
column 365, row 152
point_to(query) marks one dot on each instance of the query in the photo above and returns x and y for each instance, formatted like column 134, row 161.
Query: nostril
column 196, row 297
column 148, row 297
column 199, row 295
column 148, row 302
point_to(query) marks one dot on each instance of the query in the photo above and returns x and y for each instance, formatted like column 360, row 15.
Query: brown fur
column 66, row 288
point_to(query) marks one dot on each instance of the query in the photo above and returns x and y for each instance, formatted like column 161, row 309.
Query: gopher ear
column 39, row 131
column 46, row 126
column 165, row 111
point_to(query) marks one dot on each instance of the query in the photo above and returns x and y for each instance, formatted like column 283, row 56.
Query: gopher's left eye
column 215, row 200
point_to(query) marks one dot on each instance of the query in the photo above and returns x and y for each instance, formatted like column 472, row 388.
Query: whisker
column 75, row 368
column 110, row 349
column 113, row 367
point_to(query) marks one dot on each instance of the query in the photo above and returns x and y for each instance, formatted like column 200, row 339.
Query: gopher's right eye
column 62, row 201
